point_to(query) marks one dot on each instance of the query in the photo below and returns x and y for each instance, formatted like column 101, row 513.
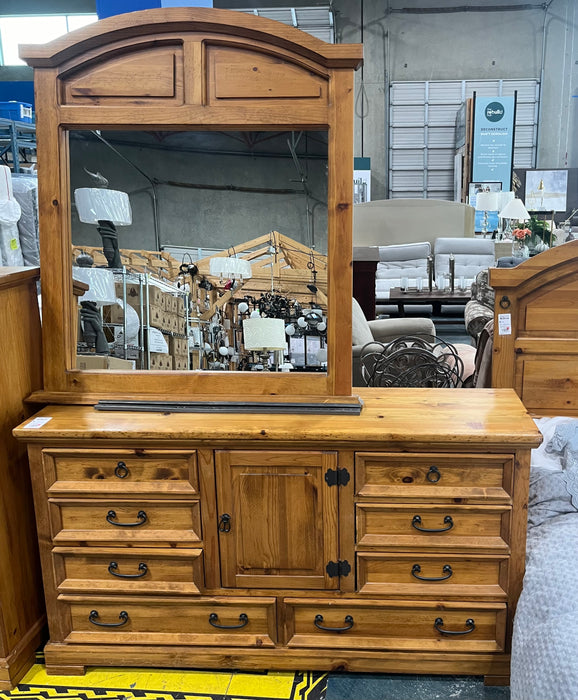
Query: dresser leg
column 55, row 670
column 496, row 680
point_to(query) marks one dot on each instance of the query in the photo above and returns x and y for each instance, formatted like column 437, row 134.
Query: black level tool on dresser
column 348, row 409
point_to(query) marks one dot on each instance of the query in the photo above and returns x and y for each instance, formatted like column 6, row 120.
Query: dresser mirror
column 212, row 229
column 183, row 112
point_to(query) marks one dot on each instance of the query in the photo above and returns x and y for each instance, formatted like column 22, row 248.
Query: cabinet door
column 277, row 519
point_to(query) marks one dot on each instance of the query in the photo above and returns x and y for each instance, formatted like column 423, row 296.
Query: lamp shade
column 487, row 201
column 100, row 281
column 95, row 204
column 230, row 268
column 264, row 334
column 515, row 209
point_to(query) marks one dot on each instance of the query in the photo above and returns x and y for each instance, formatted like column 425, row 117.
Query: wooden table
column 434, row 298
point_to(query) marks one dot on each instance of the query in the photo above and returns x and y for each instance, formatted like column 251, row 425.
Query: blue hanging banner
column 493, row 140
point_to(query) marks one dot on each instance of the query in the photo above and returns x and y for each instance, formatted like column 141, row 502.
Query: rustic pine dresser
column 382, row 531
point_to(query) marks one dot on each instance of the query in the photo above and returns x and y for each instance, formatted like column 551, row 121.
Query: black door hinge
column 338, row 568
column 337, row 477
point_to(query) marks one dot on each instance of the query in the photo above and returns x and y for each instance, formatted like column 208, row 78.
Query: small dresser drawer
column 418, row 526
column 125, row 522
column 432, row 575
column 390, row 625
column 124, row 570
column 155, row 472
column 435, row 477
column 206, row 622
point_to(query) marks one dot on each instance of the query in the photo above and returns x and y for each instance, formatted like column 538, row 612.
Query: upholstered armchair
column 382, row 331
column 480, row 309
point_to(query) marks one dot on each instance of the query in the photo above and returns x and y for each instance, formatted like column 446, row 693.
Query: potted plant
column 541, row 232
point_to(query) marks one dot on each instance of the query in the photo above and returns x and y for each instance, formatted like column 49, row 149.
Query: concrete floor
column 367, row 686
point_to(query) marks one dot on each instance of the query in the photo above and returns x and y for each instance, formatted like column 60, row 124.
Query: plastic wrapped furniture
column 480, row 309
column 25, row 189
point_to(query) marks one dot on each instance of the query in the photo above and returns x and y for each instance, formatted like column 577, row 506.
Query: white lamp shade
column 264, row 334
column 230, row 268
column 504, row 198
column 95, row 204
column 515, row 209
column 100, row 281
column 487, row 201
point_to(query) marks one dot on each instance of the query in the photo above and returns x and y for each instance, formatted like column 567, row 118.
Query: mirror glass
column 200, row 250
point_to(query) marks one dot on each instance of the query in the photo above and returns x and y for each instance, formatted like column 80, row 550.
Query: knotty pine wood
column 22, row 616
column 539, row 358
column 485, row 548
column 186, row 69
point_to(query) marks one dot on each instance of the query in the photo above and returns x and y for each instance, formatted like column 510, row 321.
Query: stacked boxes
column 166, row 312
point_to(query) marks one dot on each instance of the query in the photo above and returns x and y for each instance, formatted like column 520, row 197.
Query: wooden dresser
column 392, row 541
column 22, row 615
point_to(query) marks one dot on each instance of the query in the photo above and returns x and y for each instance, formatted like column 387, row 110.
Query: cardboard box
column 161, row 361
column 103, row 362
column 178, row 347
column 180, row 363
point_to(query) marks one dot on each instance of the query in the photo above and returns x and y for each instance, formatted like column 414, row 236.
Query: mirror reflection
column 200, row 250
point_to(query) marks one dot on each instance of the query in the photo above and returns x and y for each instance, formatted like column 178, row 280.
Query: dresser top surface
column 437, row 416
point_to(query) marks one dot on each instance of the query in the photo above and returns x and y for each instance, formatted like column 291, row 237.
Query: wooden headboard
column 539, row 358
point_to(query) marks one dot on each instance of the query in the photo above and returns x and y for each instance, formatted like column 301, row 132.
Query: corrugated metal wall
column 422, row 119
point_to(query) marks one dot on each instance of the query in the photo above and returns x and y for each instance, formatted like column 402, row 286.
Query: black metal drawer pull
column 438, row 624
column 447, row 520
column 113, row 569
column 319, row 619
column 111, row 518
column 121, row 470
column 243, row 618
column 416, row 568
column 433, row 475
column 93, row 617
column 225, row 523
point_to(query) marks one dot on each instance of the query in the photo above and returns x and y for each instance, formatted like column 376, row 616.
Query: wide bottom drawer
column 139, row 620
column 395, row 625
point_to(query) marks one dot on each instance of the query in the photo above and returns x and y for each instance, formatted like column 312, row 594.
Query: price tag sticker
column 38, row 422
column 504, row 324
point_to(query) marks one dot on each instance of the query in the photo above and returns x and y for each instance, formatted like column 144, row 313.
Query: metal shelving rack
column 14, row 137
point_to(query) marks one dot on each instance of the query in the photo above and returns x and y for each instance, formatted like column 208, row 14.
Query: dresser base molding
column 14, row 666
column 59, row 656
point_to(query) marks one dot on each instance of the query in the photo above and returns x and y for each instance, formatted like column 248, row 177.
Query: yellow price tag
column 13, row 244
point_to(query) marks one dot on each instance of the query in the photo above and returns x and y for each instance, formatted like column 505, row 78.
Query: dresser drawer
column 155, row 472
column 123, row 570
column 434, row 477
column 418, row 526
column 207, row 622
column 125, row 522
column 395, row 625
column 432, row 575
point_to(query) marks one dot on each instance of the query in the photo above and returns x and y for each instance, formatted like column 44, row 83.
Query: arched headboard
column 536, row 330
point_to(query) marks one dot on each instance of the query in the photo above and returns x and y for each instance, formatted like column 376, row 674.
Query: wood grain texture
column 183, row 69
column 21, row 602
column 539, row 358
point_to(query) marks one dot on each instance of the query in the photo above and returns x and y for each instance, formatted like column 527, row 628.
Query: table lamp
column 486, row 201
column 262, row 335
column 107, row 209
column 100, row 292
column 513, row 211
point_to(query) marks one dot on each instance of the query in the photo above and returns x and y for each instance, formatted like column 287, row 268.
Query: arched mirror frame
column 98, row 77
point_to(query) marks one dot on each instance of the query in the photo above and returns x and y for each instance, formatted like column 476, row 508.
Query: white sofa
column 471, row 255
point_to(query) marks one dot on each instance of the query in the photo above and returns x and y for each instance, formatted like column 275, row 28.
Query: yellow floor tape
column 168, row 684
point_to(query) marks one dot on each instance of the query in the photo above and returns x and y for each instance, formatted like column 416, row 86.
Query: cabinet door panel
column 282, row 525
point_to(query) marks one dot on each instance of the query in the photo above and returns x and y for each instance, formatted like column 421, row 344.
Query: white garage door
column 422, row 118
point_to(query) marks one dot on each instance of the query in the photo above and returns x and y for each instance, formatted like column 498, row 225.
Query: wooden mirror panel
column 180, row 69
